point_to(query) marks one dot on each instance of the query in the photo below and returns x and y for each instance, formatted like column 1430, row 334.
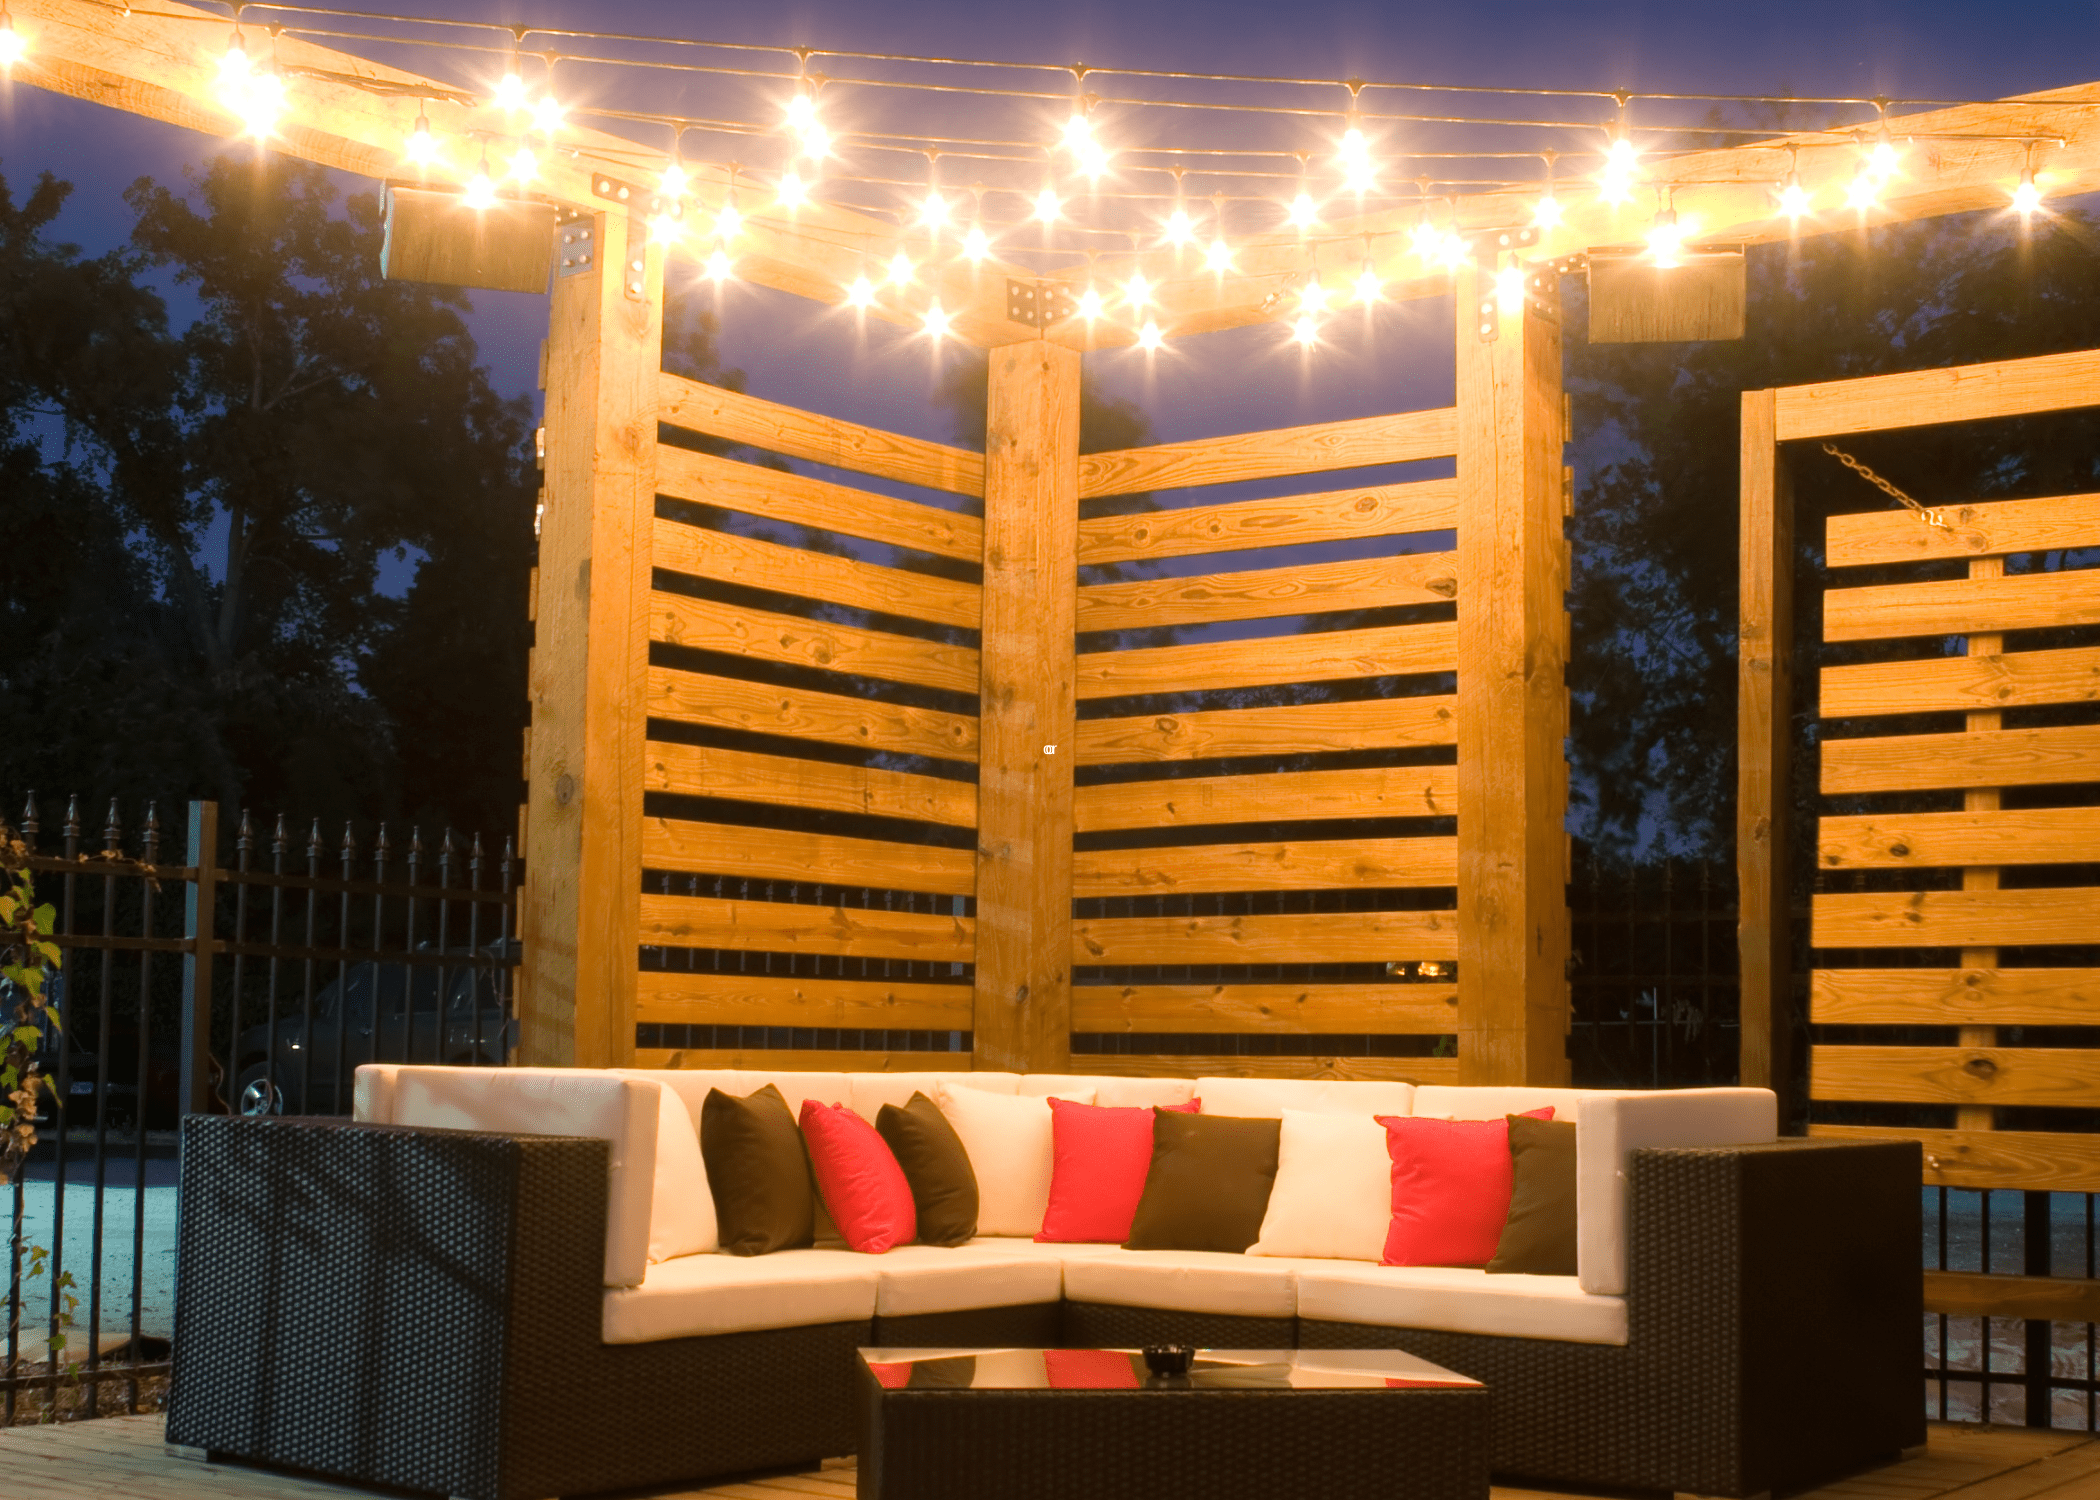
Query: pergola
column 1491, row 638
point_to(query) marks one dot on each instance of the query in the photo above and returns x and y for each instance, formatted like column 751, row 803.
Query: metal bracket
column 1539, row 285
column 1038, row 304
column 642, row 205
column 1489, row 243
column 575, row 242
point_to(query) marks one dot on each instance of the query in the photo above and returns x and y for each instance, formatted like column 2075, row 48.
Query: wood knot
column 1900, row 850
column 1980, row 1066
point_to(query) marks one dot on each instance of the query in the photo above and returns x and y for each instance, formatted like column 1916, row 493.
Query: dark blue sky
column 1224, row 382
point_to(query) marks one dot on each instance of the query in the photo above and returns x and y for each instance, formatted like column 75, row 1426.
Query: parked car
column 427, row 1012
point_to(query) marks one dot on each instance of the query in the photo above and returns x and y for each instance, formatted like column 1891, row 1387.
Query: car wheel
column 256, row 1094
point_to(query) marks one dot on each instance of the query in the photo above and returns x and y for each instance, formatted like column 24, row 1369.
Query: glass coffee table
column 1095, row 1424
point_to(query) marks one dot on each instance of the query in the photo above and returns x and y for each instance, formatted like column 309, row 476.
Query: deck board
column 127, row 1456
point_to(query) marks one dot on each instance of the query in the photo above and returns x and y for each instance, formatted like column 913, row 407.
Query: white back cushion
column 1112, row 1090
column 1007, row 1137
column 873, row 1090
column 1333, row 1197
column 1268, row 1098
column 1443, row 1101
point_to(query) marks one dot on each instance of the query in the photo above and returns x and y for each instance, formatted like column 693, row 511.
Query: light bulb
column 663, row 229
column 673, row 182
column 260, row 104
column 900, row 269
column 12, row 45
column 1047, row 204
column 1454, row 251
column 1864, row 192
column 933, row 213
column 1093, row 158
column 1359, row 177
column 1149, row 337
column 801, row 110
column 816, row 141
column 1078, row 133
column 719, row 266
column 862, row 293
column 1509, row 290
column 728, row 223
column 1666, row 239
column 1302, row 211
column 1306, row 330
column 976, row 244
column 523, row 164
column 1883, row 158
column 936, row 322
column 1354, row 146
column 1368, row 287
column 422, row 147
column 2026, row 197
column 1427, row 240
column 1137, row 291
column 1219, row 256
column 481, row 189
column 510, row 93
column 1312, row 297
column 234, row 64
column 1549, row 213
column 1793, row 198
column 1179, row 230
column 1617, row 177
column 1090, row 304
column 792, row 193
column 546, row 115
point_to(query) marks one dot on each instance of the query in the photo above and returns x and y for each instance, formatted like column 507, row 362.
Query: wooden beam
column 1985, row 529
column 1955, row 393
column 753, row 853
column 1310, row 865
column 795, row 713
column 1187, row 1065
column 1202, row 1009
column 683, row 474
column 1988, row 1076
column 1954, row 997
column 797, row 1060
column 1327, row 656
column 2053, row 1299
column 762, row 635
column 744, row 776
column 1280, row 938
column 1288, row 729
column 1512, row 639
column 2036, row 1161
column 590, row 663
column 1283, row 521
column 795, row 927
column 1267, row 593
column 1764, row 752
column 1963, row 606
column 2038, row 836
column 670, row 997
column 773, row 428
column 1403, row 437
column 757, row 563
column 1955, row 919
column 2050, row 756
column 1028, row 704
column 1270, row 797
column 1962, row 684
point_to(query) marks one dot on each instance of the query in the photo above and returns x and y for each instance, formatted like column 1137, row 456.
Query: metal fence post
column 199, row 909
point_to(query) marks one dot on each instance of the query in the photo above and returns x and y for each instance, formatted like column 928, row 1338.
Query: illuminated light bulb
column 976, row 244
column 1864, row 193
column 664, row 229
column 1368, row 287
column 673, row 182
column 1312, row 297
column 1303, row 213
column 1090, row 304
column 523, row 164
column 1179, row 230
column 1359, row 177
column 1306, row 330
column 862, row 293
column 1047, row 205
column 801, row 110
column 1427, row 240
column 1666, row 239
column 1454, row 251
column 729, row 223
column 900, row 269
column 261, row 103
column 1137, row 291
column 1884, row 158
column 1093, row 158
column 937, row 322
column 481, row 189
column 1617, row 177
column 719, row 266
column 546, row 115
column 233, row 64
column 1149, row 338
column 1549, row 213
column 2027, row 198
column 1219, row 256
column 12, row 45
column 1078, row 133
column 1509, row 289
column 816, row 142
column 422, row 146
column 792, row 193
column 510, row 93
column 933, row 213
column 1793, row 197
column 1354, row 146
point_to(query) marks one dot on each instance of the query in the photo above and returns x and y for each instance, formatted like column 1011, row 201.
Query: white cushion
column 1333, row 1196
column 703, row 1294
column 1460, row 1299
column 1186, row 1281
column 1055, row 1250
column 1268, row 1098
column 937, row 1278
column 372, row 1092
column 556, row 1101
column 1111, row 1090
column 870, row 1091
column 1007, row 1138
column 1444, row 1101
column 682, row 1204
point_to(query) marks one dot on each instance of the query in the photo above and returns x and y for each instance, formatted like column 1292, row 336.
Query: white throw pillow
column 1333, row 1198
column 681, row 1206
column 1007, row 1137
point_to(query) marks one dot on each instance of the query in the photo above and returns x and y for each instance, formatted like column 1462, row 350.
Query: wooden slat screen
column 809, row 832
column 1264, row 821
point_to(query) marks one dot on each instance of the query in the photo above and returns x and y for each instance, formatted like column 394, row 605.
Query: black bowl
column 1169, row 1359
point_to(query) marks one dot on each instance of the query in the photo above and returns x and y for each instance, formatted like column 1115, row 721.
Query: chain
column 1931, row 518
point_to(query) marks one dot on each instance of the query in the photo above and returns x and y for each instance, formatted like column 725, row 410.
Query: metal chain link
column 1931, row 518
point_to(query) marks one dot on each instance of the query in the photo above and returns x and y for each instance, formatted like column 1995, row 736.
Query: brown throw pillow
column 1208, row 1186
column 943, row 1185
column 759, row 1171
column 1540, row 1235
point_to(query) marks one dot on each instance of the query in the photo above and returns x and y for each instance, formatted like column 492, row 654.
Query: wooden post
column 1764, row 752
column 200, row 898
column 1512, row 695
column 581, row 912
column 1023, row 1003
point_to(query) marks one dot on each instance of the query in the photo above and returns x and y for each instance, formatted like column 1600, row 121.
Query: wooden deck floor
column 125, row 1456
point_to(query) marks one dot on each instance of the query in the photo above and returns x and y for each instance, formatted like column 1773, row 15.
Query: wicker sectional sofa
column 469, row 1290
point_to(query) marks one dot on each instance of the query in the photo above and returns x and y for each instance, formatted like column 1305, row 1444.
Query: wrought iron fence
column 198, row 978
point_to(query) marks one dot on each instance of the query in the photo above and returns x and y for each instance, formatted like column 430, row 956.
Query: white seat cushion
column 1268, row 1098
column 1459, row 1299
column 1185, row 1281
column 939, row 1278
column 1333, row 1196
column 702, row 1294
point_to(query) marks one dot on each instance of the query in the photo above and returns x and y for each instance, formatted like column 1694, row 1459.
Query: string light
column 1047, row 205
column 1884, row 158
column 422, row 147
column 976, row 244
column 1180, row 229
column 1666, row 239
column 728, row 222
column 901, row 269
column 261, row 103
column 1219, row 257
column 719, row 266
column 1304, row 214
column 933, row 213
column 1138, row 291
column 1426, row 240
column 1455, row 252
column 1549, row 213
column 1312, row 297
column 2027, row 198
column 233, row 64
column 510, row 91
column 547, row 115
column 1149, row 338
column 1864, row 193
column 802, row 120
column 1509, row 289
column 792, row 193
column 1359, row 174
column 12, row 45
column 1089, row 154
column 675, row 179
column 1306, row 330
column 937, row 321
column 1368, row 287
column 481, row 188
column 523, row 164
column 1619, row 165
column 1090, row 304
column 862, row 293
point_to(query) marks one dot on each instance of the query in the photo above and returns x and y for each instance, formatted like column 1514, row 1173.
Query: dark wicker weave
column 422, row 1309
column 931, row 1444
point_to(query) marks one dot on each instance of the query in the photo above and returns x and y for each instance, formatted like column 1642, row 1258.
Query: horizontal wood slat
column 1298, row 938
column 1289, row 729
column 1962, row 684
column 1313, row 588
column 707, row 625
column 783, row 854
column 756, row 707
column 1954, row 997
column 1969, row 1294
column 1401, row 438
column 1995, row 1076
column 741, row 776
column 1182, row 1065
column 685, row 475
column 667, row 997
column 784, row 1060
column 2032, row 836
column 1963, row 606
column 1389, row 651
column 1285, row 521
column 1310, row 865
column 1985, row 529
column 785, row 927
column 1961, row 393
column 761, row 564
column 2033, row 1160
column 1986, row 758
column 1201, row 1009
column 1955, row 919
column 824, row 440
column 1192, row 801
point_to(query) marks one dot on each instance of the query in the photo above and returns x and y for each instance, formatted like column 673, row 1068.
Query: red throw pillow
column 863, row 1186
column 894, row 1377
column 1089, row 1369
column 1451, row 1188
column 1100, row 1157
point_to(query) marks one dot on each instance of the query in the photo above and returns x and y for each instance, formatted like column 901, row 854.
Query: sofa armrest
column 358, row 1299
